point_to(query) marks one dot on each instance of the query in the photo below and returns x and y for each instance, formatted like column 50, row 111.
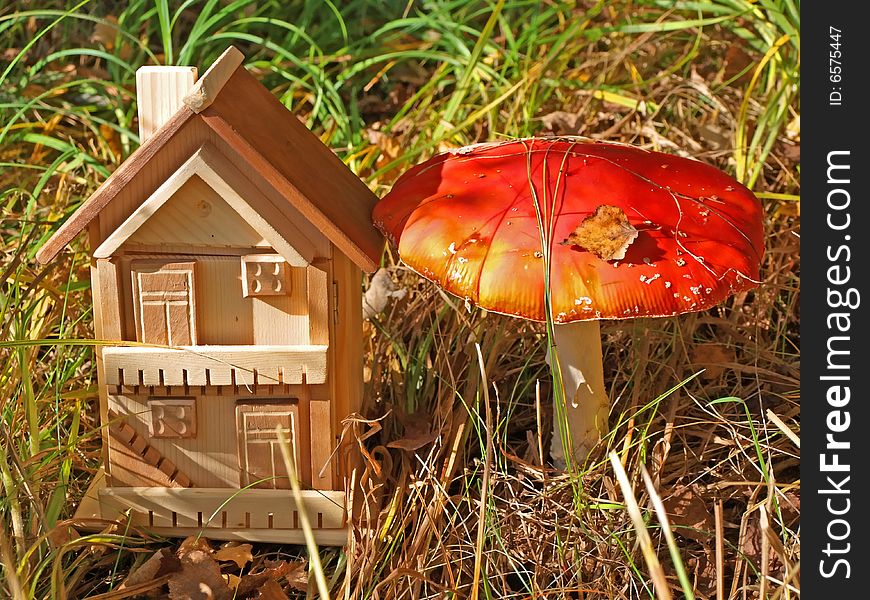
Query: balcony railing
column 214, row 365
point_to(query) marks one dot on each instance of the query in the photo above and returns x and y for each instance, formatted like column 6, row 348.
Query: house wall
column 223, row 315
column 210, row 457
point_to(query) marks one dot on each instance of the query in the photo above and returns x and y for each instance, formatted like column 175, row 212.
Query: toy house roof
column 230, row 114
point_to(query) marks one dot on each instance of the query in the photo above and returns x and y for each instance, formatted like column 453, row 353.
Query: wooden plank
column 272, row 526
column 322, row 444
column 206, row 89
column 117, row 182
column 348, row 357
column 225, row 318
column 108, row 302
column 160, row 91
column 282, row 320
column 318, row 302
column 221, row 509
column 224, row 364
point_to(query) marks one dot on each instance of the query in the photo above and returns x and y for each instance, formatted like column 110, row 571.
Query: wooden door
column 164, row 302
column 261, row 463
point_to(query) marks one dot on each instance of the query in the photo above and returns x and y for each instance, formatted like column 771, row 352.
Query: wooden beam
column 206, row 89
column 218, row 508
column 213, row 365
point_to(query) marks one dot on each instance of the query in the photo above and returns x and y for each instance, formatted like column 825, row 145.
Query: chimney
column 159, row 94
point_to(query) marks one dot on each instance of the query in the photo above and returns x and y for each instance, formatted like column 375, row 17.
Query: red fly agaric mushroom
column 577, row 232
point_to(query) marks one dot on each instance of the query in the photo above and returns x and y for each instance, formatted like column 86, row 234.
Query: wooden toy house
column 227, row 254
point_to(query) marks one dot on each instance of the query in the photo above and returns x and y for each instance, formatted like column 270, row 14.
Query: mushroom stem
column 578, row 347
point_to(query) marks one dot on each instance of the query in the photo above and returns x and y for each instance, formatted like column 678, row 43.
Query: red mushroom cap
column 476, row 221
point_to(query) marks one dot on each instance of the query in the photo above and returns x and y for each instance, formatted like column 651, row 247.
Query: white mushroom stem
column 587, row 405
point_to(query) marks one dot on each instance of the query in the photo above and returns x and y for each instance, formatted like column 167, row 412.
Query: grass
column 386, row 84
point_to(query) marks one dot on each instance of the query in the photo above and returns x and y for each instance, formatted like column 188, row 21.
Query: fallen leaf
column 606, row 233
column 270, row 590
column 105, row 32
column 293, row 572
column 713, row 357
column 162, row 562
column 417, row 431
column 411, row 444
column 738, row 62
column 62, row 534
column 296, row 574
column 561, row 122
column 239, row 554
column 688, row 513
column 194, row 542
column 199, row 579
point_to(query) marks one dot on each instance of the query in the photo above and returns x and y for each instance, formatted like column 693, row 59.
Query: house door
column 164, row 305
column 261, row 463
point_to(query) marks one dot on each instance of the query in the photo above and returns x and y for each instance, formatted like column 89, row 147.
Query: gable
column 196, row 215
column 231, row 187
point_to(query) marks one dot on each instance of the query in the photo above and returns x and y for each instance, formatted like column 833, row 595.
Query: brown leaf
column 105, row 32
column 199, row 579
column 158, row 564
column 239, row 554
column 688, row 513
column 296, row 574
column 293, row 572
column 417, row 431
column 410, row 444
column 270, row 590
column 738, row 62
column 193, row 542
column 606, row 233
column 561, row 122
column 713, row 357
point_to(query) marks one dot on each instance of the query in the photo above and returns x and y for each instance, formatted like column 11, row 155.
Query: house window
column 264, row 275
column 164, row 302
column 172, row 417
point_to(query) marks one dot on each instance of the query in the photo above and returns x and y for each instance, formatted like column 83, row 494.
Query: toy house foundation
column 227, row 255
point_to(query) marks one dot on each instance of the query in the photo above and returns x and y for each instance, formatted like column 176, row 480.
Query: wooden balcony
column 214, row 365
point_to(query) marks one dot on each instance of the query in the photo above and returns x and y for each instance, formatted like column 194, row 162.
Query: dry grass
column 705, row 402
